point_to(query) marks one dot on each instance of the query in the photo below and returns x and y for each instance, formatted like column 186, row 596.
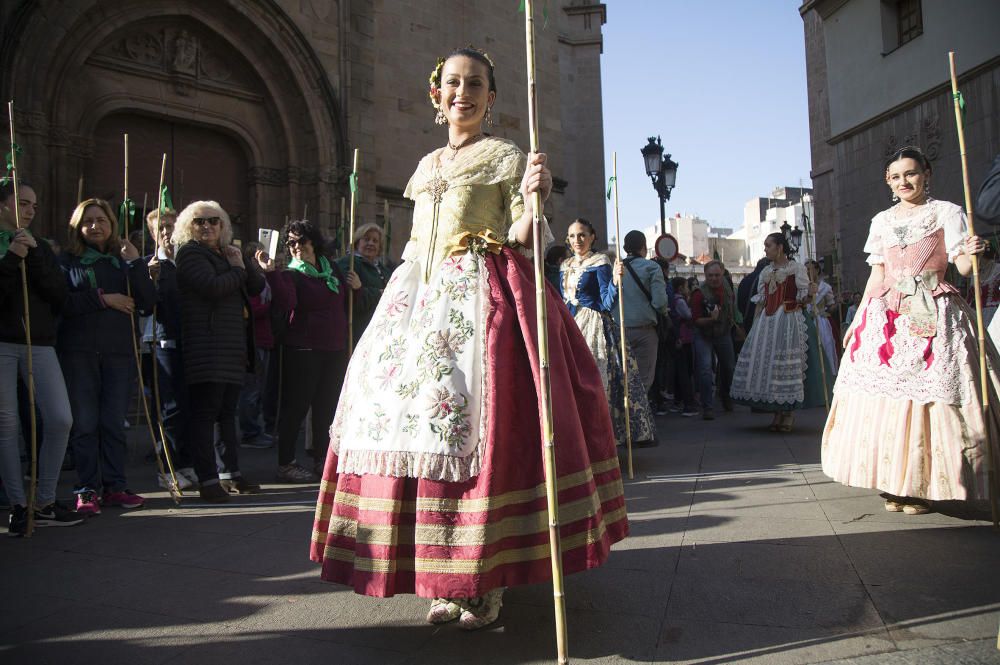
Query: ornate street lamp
column 796, row 239
column 663, row 172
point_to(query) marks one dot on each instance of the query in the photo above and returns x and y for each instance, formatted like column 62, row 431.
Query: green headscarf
column 325, row 273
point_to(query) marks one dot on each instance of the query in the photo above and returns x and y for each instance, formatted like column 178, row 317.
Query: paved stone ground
column 741, row 551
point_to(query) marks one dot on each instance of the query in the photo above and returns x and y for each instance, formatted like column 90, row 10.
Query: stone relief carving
column 181, row 53
column 185, row 53
column 926, row 135
column 144, row 47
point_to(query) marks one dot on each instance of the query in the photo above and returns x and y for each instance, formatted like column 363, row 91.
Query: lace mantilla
column 573, row 269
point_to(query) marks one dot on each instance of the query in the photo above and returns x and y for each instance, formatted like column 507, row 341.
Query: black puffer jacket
column 46, row 294
column 216, row 328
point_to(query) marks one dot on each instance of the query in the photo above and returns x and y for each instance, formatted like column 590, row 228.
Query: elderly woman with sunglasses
column 216, row 340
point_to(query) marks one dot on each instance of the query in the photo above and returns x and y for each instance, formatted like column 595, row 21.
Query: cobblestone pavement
column 741, row 551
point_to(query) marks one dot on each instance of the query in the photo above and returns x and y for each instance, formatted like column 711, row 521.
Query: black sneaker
column 56, row 514
column 18, row 525
column 213, row 493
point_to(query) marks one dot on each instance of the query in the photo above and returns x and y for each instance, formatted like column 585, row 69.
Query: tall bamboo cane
column 350, row 257
column 545, row 386
column 819, row 340
column 156, row 345
column 79, row 188
column 984, row 378
column 145, row 199
column 135, row 341
column 33, row 486
column 621, row 320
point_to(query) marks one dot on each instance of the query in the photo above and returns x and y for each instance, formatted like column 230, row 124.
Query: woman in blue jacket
column 96, row 352
column 588, row 289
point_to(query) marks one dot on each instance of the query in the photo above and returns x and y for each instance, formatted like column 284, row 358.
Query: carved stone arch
column 242, row 67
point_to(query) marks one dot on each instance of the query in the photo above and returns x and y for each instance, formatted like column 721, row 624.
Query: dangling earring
column 927, row 189
column 489, row 117
column 440, row 119
column 895, row 198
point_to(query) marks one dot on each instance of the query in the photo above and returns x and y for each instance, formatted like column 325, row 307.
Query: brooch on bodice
column 436, row 187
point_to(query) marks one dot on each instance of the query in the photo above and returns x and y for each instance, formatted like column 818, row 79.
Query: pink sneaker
column 87, row 503
column 123, row 499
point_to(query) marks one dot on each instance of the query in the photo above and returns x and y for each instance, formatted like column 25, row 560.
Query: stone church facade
column 259, row 104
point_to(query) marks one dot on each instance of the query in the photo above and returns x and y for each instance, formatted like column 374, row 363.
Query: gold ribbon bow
column 478, row 243
column 918, row 302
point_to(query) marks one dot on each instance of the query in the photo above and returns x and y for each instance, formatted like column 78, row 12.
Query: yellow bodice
column 477, row 193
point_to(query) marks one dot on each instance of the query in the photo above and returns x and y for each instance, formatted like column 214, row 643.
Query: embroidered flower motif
column 446, row 412
column 388, row 375
column 379, row 425
column 397, row 305
column 412, row 423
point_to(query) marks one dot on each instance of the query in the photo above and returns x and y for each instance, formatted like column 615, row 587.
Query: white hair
column 182, row 228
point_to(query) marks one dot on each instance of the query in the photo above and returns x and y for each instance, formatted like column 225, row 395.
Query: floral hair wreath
column 435, row 78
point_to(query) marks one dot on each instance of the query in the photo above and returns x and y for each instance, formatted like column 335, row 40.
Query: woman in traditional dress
column 434, row 480
column 778, row 368
column 906, row 416
column 823, row 307
column 588, row 289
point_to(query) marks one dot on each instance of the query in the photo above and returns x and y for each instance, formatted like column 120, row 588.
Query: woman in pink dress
column 906, row 416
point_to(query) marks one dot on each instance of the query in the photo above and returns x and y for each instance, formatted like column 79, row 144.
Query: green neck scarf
column 5, row 238
column 325, row 273
column 92, row 256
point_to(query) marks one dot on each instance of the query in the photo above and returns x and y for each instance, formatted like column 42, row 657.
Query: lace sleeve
column 874, row 246
column 801, row 281
column 956, row 230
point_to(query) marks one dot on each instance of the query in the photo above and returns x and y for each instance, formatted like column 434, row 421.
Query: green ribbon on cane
column 353, row 182
column 611, row 182
column 166, row 203
column 126, row 212
column 960, row 98
column 15, row 149
column 545, row 13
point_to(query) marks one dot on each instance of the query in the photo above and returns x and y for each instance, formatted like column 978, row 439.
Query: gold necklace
column 469, row 141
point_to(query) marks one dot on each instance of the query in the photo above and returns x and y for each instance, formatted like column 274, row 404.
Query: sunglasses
column 201, row 221
column 296, row 242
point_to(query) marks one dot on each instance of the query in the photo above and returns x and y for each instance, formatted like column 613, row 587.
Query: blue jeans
column 251, row 397
column 175, row 405
column 53, row 405
column 704, row 349
column 98, row 385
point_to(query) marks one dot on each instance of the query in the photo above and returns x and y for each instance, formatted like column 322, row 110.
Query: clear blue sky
column 724, row 84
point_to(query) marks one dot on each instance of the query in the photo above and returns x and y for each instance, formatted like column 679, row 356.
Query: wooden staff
column 175, row 486
column 545, row 386
column 145, row 198
column 305, row 211
column 79, row 188
column 621, row 319
column 33, row 486
column 343, row 221
column 135, row 341
column 819, row 340
column 350, row 257
column 983, row 376
column 386, row 238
